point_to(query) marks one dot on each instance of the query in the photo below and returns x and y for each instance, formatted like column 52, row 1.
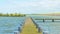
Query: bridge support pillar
column 43, row 20
column 52, row 20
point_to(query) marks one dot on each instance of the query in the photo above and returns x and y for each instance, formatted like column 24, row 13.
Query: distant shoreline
column 12, row 15
column 23, row 15
column 45, row 14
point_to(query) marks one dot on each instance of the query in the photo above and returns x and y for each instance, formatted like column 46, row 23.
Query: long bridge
column 48, row 19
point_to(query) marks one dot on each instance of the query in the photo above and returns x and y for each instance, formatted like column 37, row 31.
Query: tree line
column 13, row 15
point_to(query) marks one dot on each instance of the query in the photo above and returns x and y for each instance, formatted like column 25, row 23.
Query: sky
column 29, row 6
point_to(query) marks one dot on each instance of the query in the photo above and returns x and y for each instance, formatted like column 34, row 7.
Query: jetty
column 29, row 27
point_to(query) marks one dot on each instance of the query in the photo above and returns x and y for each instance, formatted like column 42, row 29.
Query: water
column 10, row 24
column 48, row 25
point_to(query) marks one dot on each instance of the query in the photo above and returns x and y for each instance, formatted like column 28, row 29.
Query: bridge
column 53, row 20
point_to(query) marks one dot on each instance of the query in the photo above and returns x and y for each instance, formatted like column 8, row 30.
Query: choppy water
column 10, row 24
column 48, row 25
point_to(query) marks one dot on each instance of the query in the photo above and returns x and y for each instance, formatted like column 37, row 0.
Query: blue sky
column 29, row 6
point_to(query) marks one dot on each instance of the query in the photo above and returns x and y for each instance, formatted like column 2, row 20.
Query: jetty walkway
column 29, row 27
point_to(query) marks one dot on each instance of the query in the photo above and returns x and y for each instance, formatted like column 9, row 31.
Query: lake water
column 48, row 25
column 10, row 24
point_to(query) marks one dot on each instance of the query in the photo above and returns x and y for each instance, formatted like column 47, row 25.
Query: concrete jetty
column 29, row 27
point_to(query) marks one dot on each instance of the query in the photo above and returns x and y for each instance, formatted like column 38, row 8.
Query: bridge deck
column 29, row 27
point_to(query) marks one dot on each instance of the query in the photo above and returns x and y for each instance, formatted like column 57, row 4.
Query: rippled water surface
column 48, row 25
column 10, row 24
